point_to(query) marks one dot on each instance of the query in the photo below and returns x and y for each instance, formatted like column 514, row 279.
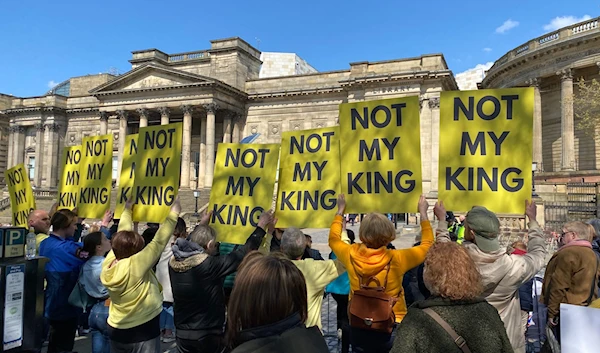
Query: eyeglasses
column 565, row 233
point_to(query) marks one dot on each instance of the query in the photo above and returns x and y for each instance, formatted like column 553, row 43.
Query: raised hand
column 108, row 217
column 531, row 210
column 176, row 206
column 265, row 219
column 272, row 225
column 423, row 206
column 341, row 202
column 128, row 204
column 206, row 217
column 439, row 210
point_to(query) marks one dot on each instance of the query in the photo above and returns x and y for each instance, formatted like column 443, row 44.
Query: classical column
column 236, row 133
column 103, row 122
column 567, row 125
column 18, row 144
column 202, row 154
column 434, row 106
column 51, row 154
column 186, row 143
column 39, row 154
column 211, row 109
column 123, row 116
column 143, row 112
column 227, row 126
column 537, row 122
column 9, row 159
column 164, row 115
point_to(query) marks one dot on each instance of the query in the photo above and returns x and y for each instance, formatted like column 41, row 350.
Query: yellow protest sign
column 309, row 180
column 21, row 195
column 381, row 152
column 243, row 186
column 157, row 171
column 127, row 173
column 95, row 176
column 486, row 149
column 68, row 192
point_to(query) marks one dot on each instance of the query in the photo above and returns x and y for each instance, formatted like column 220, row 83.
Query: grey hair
column 293, row 243
column 202, row 235
column 596, row 224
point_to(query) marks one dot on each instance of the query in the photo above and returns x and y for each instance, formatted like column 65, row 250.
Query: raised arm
column 536, row 246
column 340, row 248
column 144, row 260
column 414, row 256
column 126, row 221
column 441, row 233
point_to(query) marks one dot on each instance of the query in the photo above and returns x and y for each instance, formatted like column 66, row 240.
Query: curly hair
column 451, row 273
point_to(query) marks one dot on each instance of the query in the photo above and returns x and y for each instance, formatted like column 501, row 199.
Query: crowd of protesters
column 456, row 290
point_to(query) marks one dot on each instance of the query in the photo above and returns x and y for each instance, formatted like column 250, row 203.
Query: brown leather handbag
column 370, row 307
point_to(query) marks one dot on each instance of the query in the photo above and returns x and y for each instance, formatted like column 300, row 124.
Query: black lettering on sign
column 234, row 187
column 133, row 147
column 124, row 195
column 302, row 173
column 67, row 199
column 480, row 142
column 96, row 147
column 375, row 149
column 376, row 182
column 476, row 177
column 248, row 157
column 317, row 200
column 93, row 195
column 132, row 171
column 20, row 197
column 15, row 177
column 236, row 215
column 72, row 177
column 154, row 165
column 158, row 139
column 20, row 217
column 468, row 112
column 364, row 119
column 73, row 156
column 312, row 144
column 94, row 171
column 155, row 195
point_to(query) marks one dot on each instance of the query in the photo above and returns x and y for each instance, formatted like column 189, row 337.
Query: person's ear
column 210, row 244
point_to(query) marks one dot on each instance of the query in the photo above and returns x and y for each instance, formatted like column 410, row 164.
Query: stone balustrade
column 560, row 35
column 194, row 55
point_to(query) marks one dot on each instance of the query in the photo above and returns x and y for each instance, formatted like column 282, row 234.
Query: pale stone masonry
column 219, row 97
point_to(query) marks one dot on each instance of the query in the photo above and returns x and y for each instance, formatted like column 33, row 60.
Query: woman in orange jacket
column 370, row 259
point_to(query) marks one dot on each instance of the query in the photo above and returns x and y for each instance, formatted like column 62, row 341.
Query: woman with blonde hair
column 455, row 284
column 372, row 261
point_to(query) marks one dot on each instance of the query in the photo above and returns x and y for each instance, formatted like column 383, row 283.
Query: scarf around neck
column 183, row 248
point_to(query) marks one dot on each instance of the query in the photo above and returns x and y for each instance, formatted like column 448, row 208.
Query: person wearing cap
column 501, row 274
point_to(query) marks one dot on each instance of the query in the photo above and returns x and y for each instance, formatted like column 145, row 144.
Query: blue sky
column 44, row 42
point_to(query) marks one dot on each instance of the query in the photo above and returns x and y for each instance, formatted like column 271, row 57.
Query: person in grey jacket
column 501, row 274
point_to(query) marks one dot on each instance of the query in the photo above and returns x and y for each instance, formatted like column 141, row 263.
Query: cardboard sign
column 127, row 177
column 96, row 176
column 157, row 171
column 68, row 192
column 309, row 180
column 243, row 186
column 486, row 149
column 21, row 195
column 380, row 150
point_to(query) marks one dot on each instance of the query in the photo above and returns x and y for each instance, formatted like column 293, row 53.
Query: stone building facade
column 218, row 96
column 553, row 64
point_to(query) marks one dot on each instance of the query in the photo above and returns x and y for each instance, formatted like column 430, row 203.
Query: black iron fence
column 581, row 205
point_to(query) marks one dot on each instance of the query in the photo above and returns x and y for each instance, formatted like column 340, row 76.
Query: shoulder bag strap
column 593, row 290
column 387, row 272
column 458, row 340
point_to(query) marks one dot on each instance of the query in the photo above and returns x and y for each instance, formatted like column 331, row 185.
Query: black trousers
column 206, row 344
column 62, row 335
column 342, row 319
column 149, row 346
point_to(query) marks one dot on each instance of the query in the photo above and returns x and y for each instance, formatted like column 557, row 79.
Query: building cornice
column 21, row 110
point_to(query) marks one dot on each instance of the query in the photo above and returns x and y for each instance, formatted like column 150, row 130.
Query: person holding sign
column 61, row 274
column 197, row 275
column 136, row 299
column 502, row 275
column 372, row 261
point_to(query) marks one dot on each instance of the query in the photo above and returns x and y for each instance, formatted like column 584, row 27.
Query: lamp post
column 196, row 195
column 533, row 170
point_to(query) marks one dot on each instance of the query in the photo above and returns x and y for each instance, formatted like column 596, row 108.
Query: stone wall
column 283, row 64
column 80, row 86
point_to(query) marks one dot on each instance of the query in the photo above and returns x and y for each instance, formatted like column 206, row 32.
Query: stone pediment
column 151, row 76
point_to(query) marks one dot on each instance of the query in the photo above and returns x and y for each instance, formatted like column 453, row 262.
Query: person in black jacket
column 197, row 275
column 268, row 309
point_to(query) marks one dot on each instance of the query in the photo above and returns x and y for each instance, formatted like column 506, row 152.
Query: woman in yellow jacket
column 370, row 259
column 135, row 294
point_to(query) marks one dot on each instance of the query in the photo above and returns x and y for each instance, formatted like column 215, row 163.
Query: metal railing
column 188, row 56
